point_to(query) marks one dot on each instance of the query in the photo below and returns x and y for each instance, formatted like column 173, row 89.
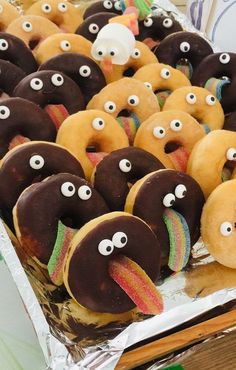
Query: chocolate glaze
column 15, row 51
column 98, row 291
column 211, row 66
column 67, row 94
column 112, row 183
column 26, row 119
column 149, row 206
column 98, row 20
column 42, row 205
column 10, row 76
column 110, row 6
column 230, row 122
column 70, row 64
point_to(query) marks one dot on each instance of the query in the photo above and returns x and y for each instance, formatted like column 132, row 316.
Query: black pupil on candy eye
column 191, row 96
column 27, row 25
column 136, row 53
column 212, row 98
column 223, row 56
column 177, row 124
column 172, row 202
column 161, row 131
column 4, row 44
column 46, row 7
column 37, row 82
column 85, row 71
column 59, row 78
column 127, row 164
column 108, row 248
column 132, row 101
column 87, row 192
column 167, row 73
column 110, row 107
column 3, row 111
column 70, row 188
column 228, row 229
column 37, row 161
column 100, row 123
column 123, row 239
column 112, row 53
column 100, row 53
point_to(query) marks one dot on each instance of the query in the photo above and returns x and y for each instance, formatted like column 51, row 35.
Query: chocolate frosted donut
column 10, row 76
column 116, row 171
column 217, row 73
column 15, row 51
column 81, row 69
column 103, row 6
column 93, row 24
column 62, row 197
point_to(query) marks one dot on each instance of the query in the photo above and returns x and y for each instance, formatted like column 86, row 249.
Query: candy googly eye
column 93, row 28
column 165, row 73
column 4, row 112
column 84, row 192
column 36, row 162
column 117, row 5
column 46, row 8
column 159, row 132
column 136, row 54
column 148, row 85
column 167, row 23
column 62, row 7
column 110, row 107
column 65, row 45
column 85, row 71
column 107, row 4
column 57, row 80
column 27, row 26
column 226, row 228
column 3, row 45
column 184, row 47
column 113, row 52
column 119, row 239
column 168, row 200
column 98, row 124
column 210, row 100
column 224, row 58
column 105, row 247
column 36, row 84
column 101, row 51
column 231, row 154
column 176, row 125
column 125, row 165
column 180, row 191
column 133, row 100
column 148, row 22
column 191, row 98
column 68, row 189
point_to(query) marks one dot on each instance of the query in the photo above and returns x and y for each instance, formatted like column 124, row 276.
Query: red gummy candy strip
column 179, row 159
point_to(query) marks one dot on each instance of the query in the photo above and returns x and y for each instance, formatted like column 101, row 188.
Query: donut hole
column 129, row 72
column 93, row 148
column 71, row 221
column 125, row 113
column 172, row 146
column 184, row 65
column 227, row 170
column 34, row 42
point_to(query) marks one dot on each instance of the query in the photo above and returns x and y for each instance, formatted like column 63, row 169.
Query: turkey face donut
column 209, row 175
column 104, row 240
column 62, row 43
column 81, row 69
column 113, row 176
column 129, row 101
column 10, row 76
column 30, row 163
column 170, row 202
column 181, row 46
column 90, row 135
column 217, row 73
column 8, row 14
column 62, row 197
column 22, row 118
column 32, row 29
column 65, row 15
column 198, row 102
column 109, row 6
column 15, row 51
column 170, row 136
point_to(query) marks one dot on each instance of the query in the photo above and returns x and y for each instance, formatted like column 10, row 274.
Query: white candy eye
column 65, row 45
column 36, row 162
column 107, row 4
column 110, row 107
column 62, row 7
column 57, row 79
column 184, row 47
column 148, row 85
column 117, row 5
column 159, row 132
column 210, row 100
column 36, row 84
column 136, row 54
column 93, row 28
column 4, row 112
column 84, row 192
column 101, row 51
column 98, row 124
column 125, row 165
column 180, row 191
column 105, row 247
column 85, row 71
column 68, row 189
column 167, row 23
column 27, row 26
column 226, row 228
column 148, row 22
column 119, row 239
column 46, row 8
column 176, row 125
column 168, row 200
column 1, row 9
column 224, row 58
column 133, row 100
column 165, row 73
column 3, row 45
column 191, row 98
column 231, row 154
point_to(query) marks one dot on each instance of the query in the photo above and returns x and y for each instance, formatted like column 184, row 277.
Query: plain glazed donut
column 10, row 76
column 62, row 43
column 64, row 14
column 198, row 102
column 170, row 136
column 206, row 168
column 170, row 202
column 113, row 176
column 91, row 130
column 81, row 69
column 109, row 6
column 8, row 13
